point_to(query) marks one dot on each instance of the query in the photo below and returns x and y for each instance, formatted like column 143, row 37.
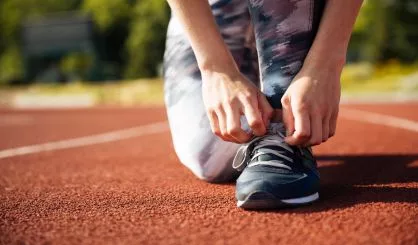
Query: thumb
column 265, row 108
column 287, row 116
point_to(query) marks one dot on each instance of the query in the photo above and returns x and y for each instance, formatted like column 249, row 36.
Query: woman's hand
column 226, row 98
column 310, row 105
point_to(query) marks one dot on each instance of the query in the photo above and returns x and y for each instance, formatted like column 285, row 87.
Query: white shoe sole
column 263, row 200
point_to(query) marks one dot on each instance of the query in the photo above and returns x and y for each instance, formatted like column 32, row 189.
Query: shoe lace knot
column 272, row 143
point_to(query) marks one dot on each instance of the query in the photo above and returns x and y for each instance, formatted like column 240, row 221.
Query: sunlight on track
column 88, row 140
column 15, row 120
column 380, row 119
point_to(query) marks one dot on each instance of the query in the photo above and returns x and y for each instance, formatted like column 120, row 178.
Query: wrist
column 224, row 67
column 325, row 61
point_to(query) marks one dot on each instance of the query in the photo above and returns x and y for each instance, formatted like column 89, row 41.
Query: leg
column 277, row 174
column 284, row 31
column 207, row 156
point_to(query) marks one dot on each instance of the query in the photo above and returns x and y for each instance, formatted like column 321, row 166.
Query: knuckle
column 224, row 134
column 316, row 109
column 217, row 106
column 269, row 112
column 210, row 110
column 248, row 97
column 301, row 107
column 217, row 132
column 302, row 135
column 255, row 123
column 284, row 101
column 233, row 131
column 231, row 101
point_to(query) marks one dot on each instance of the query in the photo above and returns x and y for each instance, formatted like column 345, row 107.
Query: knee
column 209, row 158
column 227, row 174
column 213, row 167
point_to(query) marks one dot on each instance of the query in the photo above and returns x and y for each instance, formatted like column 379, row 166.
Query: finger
column 316, row 130
column 287, row 117
column 302, row 124
column 325, row 128
column 265, row 108
column 333, row 123
column 255, row 121
column 234, row 129
column 220, row 113
column 214, row 124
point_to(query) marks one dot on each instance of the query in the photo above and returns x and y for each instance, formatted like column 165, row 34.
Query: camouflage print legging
column 284, row 31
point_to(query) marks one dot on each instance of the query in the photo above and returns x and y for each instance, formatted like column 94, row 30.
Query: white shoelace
column 260, row 145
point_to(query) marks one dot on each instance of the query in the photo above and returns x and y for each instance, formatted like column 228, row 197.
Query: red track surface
column 136, row 192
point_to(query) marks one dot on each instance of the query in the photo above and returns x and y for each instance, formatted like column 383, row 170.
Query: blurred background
column 101, row 52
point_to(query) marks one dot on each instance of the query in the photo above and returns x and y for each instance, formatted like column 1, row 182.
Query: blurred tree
column 10, row 64
column 113, row 18
column 146, row 40
column 386, row 29
column 107, row 13
column 133, row 33
column 76, row 65
column 12, row 13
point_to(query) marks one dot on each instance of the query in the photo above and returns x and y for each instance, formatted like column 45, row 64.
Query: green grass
column 142, row 91
column 365, row 78
column 356, row 78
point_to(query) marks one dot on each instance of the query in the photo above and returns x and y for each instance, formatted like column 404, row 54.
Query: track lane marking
column 351, row 114
column 87, row 140
column 380, row 119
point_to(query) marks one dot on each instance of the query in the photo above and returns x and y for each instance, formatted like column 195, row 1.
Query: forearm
column 201, row 29
column 331, row 42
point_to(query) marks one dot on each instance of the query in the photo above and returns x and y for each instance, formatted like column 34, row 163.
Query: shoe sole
column 265, row 200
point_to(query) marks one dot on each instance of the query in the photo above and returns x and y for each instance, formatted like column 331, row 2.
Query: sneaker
column 275, row 174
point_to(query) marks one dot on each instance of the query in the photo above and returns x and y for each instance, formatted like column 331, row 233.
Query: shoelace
column 245, row 154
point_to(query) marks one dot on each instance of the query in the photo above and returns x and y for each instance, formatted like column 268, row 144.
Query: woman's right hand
column 227, row 96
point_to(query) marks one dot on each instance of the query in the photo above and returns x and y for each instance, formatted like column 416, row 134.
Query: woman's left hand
column 310, row 105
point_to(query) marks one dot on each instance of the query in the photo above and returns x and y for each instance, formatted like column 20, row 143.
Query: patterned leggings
column 284, row 31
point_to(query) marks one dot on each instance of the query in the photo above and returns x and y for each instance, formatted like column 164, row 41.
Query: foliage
column 76, row 64
column 10, row 65
column 133, row 33
column 385, row 77
column 12, row 14
column 107, row 13
column 145, row 44
column 386, row 30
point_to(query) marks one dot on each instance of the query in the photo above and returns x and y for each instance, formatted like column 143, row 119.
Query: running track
column 127, row 186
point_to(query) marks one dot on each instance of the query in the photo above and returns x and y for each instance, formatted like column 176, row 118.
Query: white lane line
column 380, row 119
column 87, row 140
column 352, row 114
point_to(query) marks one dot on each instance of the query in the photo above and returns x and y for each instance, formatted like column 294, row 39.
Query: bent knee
column 226, row 174
column 213, row 170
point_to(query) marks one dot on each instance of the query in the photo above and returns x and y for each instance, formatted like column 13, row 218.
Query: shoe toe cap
column 282, row 185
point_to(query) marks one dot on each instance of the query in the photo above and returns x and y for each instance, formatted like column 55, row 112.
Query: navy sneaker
column 275, row 174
